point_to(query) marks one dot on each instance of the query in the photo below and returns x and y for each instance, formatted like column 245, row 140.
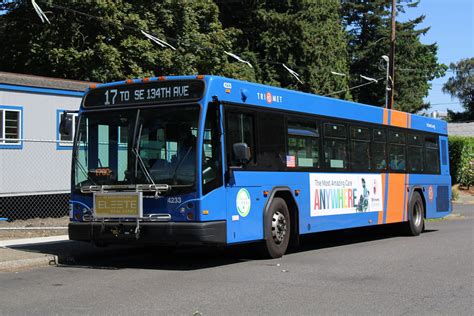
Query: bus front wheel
column 416, row 216
column 277, row 228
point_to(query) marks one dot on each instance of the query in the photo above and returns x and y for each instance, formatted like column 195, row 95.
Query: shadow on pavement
column 85, row 255
column 345, row 237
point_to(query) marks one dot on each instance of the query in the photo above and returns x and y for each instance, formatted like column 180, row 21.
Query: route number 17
column 110, row 94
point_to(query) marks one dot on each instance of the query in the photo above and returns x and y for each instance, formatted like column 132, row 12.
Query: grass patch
column 433, row 220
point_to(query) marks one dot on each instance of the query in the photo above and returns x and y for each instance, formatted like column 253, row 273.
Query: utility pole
column 392, row 58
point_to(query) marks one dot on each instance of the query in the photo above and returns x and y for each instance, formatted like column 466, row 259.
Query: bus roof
column 247, row 93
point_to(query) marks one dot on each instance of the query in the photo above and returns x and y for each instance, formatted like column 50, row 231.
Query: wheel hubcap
column 417, row 214
column 279, row 227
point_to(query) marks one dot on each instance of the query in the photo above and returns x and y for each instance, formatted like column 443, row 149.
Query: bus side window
column 431, row 155
column 239, row 129
column 396, row 150
column 211, row 162
column 335, row 146
column 379, row 149
column 360, row 148
column 303, row 144
column 415, row 153
column 271, row 152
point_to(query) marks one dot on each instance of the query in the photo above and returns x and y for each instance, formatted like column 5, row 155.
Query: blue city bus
column 211, row 160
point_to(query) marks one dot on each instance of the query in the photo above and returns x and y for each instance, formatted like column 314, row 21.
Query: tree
column 368, row 26
column 111, row 46
column 306, row 36
column 461, row 86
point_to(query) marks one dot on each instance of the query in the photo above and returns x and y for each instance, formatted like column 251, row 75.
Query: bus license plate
column 118, row 205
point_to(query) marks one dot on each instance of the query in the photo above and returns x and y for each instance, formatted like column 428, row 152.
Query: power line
column 446, row 103
column 352, row 88
column 155, row 39
column 419, row 70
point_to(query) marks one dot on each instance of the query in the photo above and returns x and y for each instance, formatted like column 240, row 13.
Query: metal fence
column 34, row 178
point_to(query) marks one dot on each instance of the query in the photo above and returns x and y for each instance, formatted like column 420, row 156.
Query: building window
column 10, row 127
column 66, row 141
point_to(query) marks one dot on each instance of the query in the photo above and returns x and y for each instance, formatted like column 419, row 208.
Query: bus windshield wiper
column 157, row 188
column 139, row 158
column 145, row 170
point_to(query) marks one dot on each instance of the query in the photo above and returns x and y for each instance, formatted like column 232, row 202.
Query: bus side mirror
column 241, row 152
column 65, row 127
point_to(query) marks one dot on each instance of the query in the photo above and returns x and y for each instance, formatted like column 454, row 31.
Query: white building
column 35, row 161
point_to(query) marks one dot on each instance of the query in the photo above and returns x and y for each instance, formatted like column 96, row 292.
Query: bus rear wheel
column 277, row 229
column 416, row 216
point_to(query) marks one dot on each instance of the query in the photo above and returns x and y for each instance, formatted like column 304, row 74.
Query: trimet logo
column 269, row 98
column 243, row 202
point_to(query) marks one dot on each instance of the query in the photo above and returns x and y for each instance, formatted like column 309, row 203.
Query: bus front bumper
column 150, row 232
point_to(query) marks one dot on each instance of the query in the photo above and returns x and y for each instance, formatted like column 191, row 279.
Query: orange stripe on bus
column 385, row 116
column 396, row 199
column 398, row 119
column 405, row 198
column 380, row 218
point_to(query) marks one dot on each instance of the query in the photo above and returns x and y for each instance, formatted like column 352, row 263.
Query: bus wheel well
column 420, row 191
column 294, row 218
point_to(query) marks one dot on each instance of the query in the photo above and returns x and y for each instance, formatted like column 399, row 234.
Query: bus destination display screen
column 154, row 92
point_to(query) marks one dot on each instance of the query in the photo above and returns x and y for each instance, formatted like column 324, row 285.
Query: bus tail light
column 190, row 216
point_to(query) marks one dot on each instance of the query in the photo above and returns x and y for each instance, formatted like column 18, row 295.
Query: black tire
column 277, row 229
column 416, row 216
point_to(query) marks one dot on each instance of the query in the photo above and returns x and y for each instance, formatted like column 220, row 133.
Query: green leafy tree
column 465, row 174
column 111, row 47
column 307, row 36
column 368, row 24
column 461, row 86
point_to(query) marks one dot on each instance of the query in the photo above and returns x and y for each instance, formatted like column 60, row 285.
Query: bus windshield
column 137, row 146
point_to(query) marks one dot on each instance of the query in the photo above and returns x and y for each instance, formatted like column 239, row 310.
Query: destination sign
column 148, row 93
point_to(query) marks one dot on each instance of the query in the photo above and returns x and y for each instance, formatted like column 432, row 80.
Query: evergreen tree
column 461, row 86
column 305, row 35
column 369, row 25
column 112, row 47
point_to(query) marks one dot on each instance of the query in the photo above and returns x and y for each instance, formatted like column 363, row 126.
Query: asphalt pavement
column 361, row 271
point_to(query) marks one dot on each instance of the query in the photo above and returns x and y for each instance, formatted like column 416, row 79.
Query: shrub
column 455, row 192
column 461, row 156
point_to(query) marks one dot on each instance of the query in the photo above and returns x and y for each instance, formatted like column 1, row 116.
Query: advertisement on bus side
column 335, row 194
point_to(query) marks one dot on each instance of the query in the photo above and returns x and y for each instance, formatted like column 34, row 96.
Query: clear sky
column 452, row 28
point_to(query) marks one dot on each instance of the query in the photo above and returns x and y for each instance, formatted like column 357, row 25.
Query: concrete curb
column 32, row 241
column 46, row 261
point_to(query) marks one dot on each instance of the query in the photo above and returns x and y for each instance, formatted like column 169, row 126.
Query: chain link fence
column 35, row 179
